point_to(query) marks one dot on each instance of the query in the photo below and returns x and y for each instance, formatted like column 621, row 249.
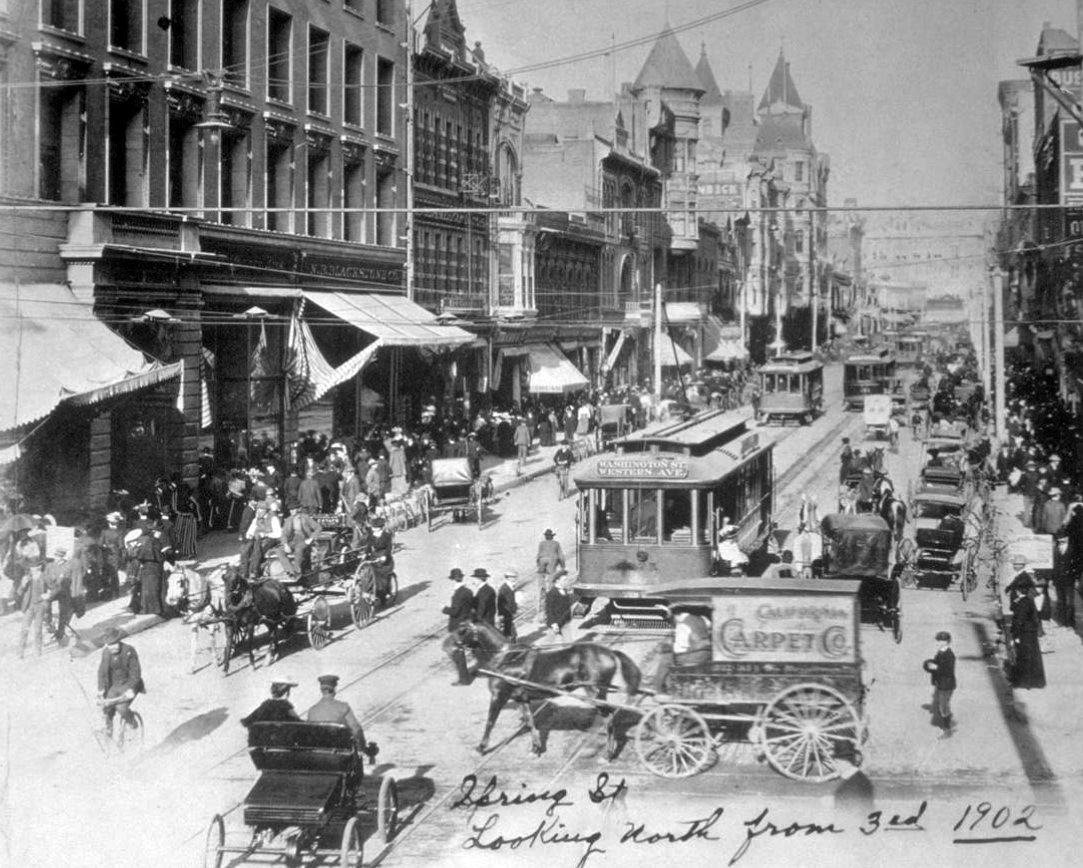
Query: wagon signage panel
column 784, row 629
column 648, row 468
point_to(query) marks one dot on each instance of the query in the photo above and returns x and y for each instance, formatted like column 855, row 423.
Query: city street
column 194, row 763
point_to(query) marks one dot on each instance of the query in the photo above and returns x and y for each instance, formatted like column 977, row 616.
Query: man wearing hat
column 854, row 795
column 30, row 593
column 298, row 533
column 119, row 675
column 941, row 669
column 1029, row 487
column 264, row 532
column 278, row 707
column 331, row 710
column 506, row 605
column 59, row 581
column 845, row 457
column 459, row 611
column 381, row 544
column 866, row 491
column 112, row 544
column 558, row 604
column 484, row 599
column 1053, row 512
column 549, row 559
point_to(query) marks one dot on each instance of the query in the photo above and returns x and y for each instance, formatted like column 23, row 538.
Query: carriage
column 456, row 492
column 612, row 422
column 776, row 661
column 859, row 548
column 310, row 798
column 941, row 529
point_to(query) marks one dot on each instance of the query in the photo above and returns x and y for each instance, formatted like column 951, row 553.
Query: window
column 126, row 25
column 235, row 180
column 505, row 275
column 279, row 192
column 385, row 12
column 60, row 144
column 799, row 170
column 319, row 48
column 799, row 242
column 354, row 5
column 352, row 82
column 63, row 14
column 385, row 97
column 126, row 148
column 385, row 198
column 353, row 199
column 279, row 34
column 235, row 41
column 184, row 24
column 318, row 189
column 183, row 162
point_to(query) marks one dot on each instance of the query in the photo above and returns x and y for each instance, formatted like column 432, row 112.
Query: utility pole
column 658, row 332
column 812, row 281
column 998, row 354
column 983, row 340
column 409, row 46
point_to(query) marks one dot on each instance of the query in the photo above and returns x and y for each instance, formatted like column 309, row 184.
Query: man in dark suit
column 507, row 606
column 484, row 599
column 558, row 606
column 459, row 611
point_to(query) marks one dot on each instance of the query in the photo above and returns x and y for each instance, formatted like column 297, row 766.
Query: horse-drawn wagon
column 308, row 799
column 456, row 491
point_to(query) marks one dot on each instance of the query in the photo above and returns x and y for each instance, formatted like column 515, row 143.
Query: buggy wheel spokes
column 673, row 741
column 800, row 727
column 353, row 849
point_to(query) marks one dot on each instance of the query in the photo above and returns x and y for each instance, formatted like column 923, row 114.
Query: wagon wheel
column 896, row 626
column 801, row 727
column 319, row 621
column 229, row 640
column 387, row 809
column 216, row 839
column 353, row 848
column 392, row 590
column 360, row 610
column 673, row 741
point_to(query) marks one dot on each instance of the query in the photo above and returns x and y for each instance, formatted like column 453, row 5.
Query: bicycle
column 128, row 733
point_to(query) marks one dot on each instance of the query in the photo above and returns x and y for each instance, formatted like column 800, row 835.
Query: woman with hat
column 1028, row 670
column 277, row 708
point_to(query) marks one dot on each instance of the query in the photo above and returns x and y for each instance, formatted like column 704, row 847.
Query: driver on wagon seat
column 331, row 710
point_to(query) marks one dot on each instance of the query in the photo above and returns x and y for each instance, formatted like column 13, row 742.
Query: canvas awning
column 673, row 354
column 727, row 351
column 551, row 373
column 394, row 319
column 682, row 312
column 614, row 353
column 61, row 352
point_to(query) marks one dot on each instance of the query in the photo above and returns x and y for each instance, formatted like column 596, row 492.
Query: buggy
column 940, row 529
column 456, row 491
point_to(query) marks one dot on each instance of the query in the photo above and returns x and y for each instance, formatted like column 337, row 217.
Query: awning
column 727, row 351
column 614, row 353
column 309, row 375
column 59, row 351
column 394, row 319
column 251, row 291
column 673, row 354
column 551, row 373
column 682, row 312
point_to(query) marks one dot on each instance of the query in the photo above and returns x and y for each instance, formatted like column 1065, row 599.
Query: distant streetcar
column 653, row 511
column 870, row 372
column 792, row 387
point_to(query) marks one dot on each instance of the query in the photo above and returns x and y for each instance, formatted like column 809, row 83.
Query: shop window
column 353, row 200
column 235, row 180
column 127, row 153
column 61, row 135
column 385, row 199
column 183, row 163
column 235, row 41
column 185, row 18
column 63, row 14
column 279, row 41
column 126, row 25
column 319, row 50
column 352, row 85
column 385, row 97
column 279, row 192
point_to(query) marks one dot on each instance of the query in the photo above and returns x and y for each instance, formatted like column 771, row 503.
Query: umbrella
column 17, row 522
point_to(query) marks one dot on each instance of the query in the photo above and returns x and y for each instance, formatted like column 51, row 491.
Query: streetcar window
column 768, row 383
column 609, row 516
column 643, row 514
column 677, row 517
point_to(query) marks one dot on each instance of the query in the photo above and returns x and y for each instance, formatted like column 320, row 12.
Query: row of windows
column 452, row 264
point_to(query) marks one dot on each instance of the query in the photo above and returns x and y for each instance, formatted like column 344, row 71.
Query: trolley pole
column 998, row 355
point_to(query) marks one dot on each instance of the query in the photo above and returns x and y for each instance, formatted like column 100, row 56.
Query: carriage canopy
column 860, row 546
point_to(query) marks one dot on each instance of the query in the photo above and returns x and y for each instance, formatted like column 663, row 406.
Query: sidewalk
column 217, row 549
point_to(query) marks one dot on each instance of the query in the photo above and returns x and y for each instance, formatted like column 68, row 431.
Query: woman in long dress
column 151, row 560
column 1029, row 671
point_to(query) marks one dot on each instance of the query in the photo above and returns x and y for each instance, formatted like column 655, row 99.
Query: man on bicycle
column 119, row 675
column 562, row 459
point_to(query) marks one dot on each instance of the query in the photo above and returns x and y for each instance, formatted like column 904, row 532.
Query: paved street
column 1010, row 751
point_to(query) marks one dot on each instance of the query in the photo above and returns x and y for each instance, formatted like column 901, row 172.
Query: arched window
column 507, row 173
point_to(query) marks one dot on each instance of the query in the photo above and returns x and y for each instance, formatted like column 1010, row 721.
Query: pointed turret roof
column 780, row 89
column 668, row 66
column 444, row 28
column 711, row 92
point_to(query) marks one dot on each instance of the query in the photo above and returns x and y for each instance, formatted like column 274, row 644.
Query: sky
column 903, row 92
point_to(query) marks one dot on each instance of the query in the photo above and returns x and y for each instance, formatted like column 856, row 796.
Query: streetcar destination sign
column 639, row 468
column 784, row 629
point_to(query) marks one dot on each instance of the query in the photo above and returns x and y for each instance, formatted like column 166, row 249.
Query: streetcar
column 869, row 372
column 911, row 348
column 653, row 510
column 791, row 387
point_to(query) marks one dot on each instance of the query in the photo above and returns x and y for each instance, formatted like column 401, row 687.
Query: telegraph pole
column 409, row 46
column 658, row 332
column 998, row 354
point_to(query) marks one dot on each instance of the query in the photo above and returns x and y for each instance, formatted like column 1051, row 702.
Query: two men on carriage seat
column 277, row 708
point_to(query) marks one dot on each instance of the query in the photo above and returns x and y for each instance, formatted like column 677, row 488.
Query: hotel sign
column 643, row 468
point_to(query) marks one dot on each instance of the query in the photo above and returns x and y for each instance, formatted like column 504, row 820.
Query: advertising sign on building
column 1071, row 177
column 780, row 629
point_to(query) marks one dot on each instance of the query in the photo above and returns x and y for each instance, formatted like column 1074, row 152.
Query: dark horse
column 555, row 670
column 255, row 602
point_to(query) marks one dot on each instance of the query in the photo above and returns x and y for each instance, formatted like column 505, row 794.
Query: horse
column 893, row 511
column 250, row 603
column 554, row 671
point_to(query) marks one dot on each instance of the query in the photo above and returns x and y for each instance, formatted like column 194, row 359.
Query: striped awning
column 394, row 319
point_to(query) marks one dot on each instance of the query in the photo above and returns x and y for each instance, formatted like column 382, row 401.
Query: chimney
column 577, row 95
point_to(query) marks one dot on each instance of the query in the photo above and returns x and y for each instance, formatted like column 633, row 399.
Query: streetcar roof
column 791, row 366
column 699, row 435
column 662, row 469
column 871, row 357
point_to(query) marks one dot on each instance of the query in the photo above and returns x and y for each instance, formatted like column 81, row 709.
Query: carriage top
column 861, row 546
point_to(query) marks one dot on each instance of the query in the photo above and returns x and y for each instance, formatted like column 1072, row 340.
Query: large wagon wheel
column 392, row 590
column 387, row 808
column 673, row 741
column 216, row 839
column 319, row 624
column 361, row 609
column 800, row 728
column 353, row 848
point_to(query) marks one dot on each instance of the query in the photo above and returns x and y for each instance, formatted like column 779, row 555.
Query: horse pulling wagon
column 308, row 799
column 775, row 661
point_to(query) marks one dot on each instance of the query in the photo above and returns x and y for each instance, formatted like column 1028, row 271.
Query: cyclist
column 119, row 675
column 562, row 460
